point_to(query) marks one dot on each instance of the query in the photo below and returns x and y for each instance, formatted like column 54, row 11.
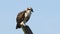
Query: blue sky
column 44, row 20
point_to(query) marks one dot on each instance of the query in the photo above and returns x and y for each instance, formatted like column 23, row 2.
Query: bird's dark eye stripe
column 29, row 9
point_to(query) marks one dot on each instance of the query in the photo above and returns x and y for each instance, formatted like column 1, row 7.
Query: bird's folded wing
column 20, row 17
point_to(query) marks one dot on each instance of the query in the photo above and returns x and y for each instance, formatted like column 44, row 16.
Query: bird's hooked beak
column 32, row 10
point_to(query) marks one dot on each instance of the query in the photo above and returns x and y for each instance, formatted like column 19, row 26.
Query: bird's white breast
column 28, row 13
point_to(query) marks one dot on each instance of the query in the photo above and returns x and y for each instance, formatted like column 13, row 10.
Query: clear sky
column 44, row 20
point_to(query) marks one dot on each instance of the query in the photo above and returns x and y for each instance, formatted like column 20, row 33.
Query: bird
column 23, row 17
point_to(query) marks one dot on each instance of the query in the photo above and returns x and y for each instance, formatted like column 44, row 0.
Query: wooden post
column 26, row 30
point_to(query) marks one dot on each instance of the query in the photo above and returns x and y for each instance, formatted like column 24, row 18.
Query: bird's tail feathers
column 18, row 26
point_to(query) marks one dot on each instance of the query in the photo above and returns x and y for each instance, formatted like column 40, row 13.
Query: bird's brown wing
column 20, row 17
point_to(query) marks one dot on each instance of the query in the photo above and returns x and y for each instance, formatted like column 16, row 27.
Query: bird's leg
column 22, row 23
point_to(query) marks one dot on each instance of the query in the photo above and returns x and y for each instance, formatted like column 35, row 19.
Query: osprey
column 23, row 17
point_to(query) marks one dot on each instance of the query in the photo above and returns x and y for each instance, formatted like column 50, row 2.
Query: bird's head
column 30, row 9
